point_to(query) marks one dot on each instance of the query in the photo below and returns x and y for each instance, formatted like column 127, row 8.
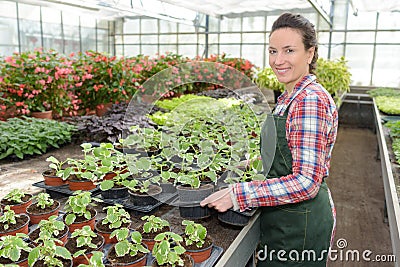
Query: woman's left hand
column 220, row 200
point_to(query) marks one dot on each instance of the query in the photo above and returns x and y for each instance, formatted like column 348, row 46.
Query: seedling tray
column 61, row 191
column 141, row 210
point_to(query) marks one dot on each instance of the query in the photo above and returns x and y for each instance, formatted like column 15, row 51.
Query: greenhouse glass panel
column 120, row 39
column 167, row 27
column 340, row 17
column 363, row 21
column 168, row 39
column 186, row 28
column 270, row 21
column 167, row 48
column 87, row 21
column 131, row 40
column 149, row 50
column 52, row 36
column 388, row 21
column 231, row 25
column 254, row 53
column 386, row 69
column 213, row 38
column 149, row 39
column 323, row 37
column 336, row 52
column 212, row 50
column 188, row 50
column 132, row 26
column 229, row 38
column 359, row 61
column 8, row 36
column 103, row 41
column 230, row 50
column 30, row 34
column 8, row 9
column 337, row 38
column 71, row 39
column 360, row 37
column 102, row 24
column 119, row 50
column 388, row 37
column 88, row 38
column 213, row 24
column 255, row 38
column 253, row 24
column 71, row 19
column 51, row 15
column 28, row 12
column 187, row 38
column 131, row 50
column 149, row 25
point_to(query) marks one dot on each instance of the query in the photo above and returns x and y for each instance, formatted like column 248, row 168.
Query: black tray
column 62, row 190
column 141, row 210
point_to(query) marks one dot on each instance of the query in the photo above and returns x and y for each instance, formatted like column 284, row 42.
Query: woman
column 297, row 212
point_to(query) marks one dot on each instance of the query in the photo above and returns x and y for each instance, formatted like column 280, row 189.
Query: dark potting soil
column 151, row 235
column 35, row 209
column 105, row 228
column 20, row 221
column 50, row 172
column 35, row 233
column 71, row 244
column 186, row 259
column 82, row 218
column 24, row 255
column 25, row 198
column 66, row 263
column 113, row 258
column 207, row 243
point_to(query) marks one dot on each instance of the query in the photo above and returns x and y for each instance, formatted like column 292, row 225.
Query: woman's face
column 288, row 57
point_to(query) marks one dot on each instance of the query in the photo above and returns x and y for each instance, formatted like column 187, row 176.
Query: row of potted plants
column 80, row 240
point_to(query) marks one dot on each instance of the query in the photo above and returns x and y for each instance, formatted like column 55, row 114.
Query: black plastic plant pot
column 145, row 199
column 232, row 217
column 168, row 188
column 115, row 193
column 195, row 212
column 194, row 195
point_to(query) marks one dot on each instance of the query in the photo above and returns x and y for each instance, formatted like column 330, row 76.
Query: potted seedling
column 145, row 141
column 50, row 228
column 49, row 254
column 82, row 243
column 96, row 260
column 79, row 210
column 168, row 251
column 14, row 249
column 11, row 223
column 17, row 200
column 143, row 193
column 116, row 186
column 128, row 253
column 166, row 180
column 152, row 226
column 116, row 217
column 52, row 176
column 196, row 242
column 43, row 208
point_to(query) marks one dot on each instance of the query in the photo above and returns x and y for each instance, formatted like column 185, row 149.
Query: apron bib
column 296, row 234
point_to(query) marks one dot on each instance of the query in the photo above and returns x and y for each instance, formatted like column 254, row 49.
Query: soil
column 24, row 255
column 113, row 258
column 207, row 243
column 24, row 199
column 151, row 235
column 35, row 209
column 66, row 263
column 104, row 228
column 71, row 244
column 82, row 218
column 35, row 233
column 20, row 221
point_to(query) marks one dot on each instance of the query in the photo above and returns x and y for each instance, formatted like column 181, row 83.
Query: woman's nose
column 279, row 59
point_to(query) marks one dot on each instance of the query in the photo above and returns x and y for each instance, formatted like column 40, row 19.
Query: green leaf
column 63, row 252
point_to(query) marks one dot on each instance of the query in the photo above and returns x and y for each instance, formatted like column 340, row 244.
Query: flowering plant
column 36, row 81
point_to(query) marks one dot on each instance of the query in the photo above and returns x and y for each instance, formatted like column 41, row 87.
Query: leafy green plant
column 95, row 261
column 43, row 200
column 8, row 217
column 78, row 204
column 84, row 237
column 266, row 78
column 153, row 224
column 12, row 246
column 139, row 186
column 116, row 216
column 29, row 136
column 48, row 252
column 388, row 104
column 15, row 195
column 383, row 91
column 168, row 249
column 50, row 228
column 195, row 233
column 124, row 246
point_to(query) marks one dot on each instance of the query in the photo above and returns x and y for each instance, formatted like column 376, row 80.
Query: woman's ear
column 311, row 52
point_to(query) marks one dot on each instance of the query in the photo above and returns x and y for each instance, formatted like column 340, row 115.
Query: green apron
column 299, row 229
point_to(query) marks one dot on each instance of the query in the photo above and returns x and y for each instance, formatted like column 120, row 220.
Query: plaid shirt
column 311, row 129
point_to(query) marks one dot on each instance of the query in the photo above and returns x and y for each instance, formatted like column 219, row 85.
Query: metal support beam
column 319, row 9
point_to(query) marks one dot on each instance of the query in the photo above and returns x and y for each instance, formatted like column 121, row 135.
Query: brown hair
column 305, row 28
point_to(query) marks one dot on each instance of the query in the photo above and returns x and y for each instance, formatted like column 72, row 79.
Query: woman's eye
column 289, row 50
column 272, row 52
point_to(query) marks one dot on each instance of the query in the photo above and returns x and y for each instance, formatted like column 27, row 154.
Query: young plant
column 153, row 224
column 49, row 253
column 168, row 249
column 15, row 196
column 57, row 166
column 124, row 247
column 9, row 217
column 78, row 204
column 195, row 233
column 84, row 237
column 139, row 186
column 192, row 179
column 116, row 216
column 95, row 261
column 43, row 200
column 50, row 228
column 12, row 246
